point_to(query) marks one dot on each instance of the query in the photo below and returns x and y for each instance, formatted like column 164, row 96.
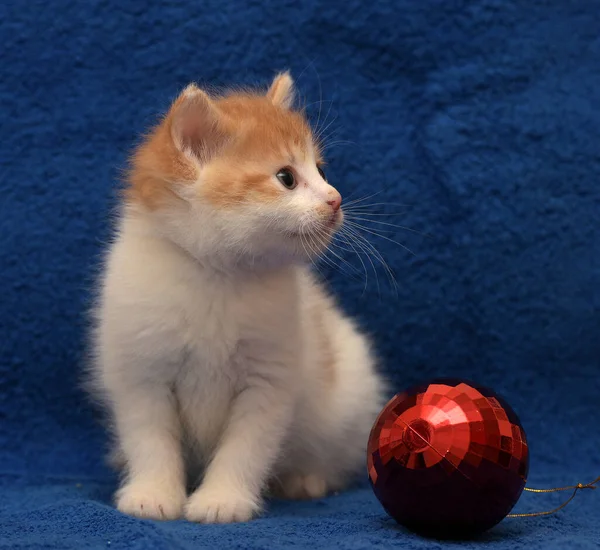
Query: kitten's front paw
column 151, row 500
column 220, row 505
column 301, row 486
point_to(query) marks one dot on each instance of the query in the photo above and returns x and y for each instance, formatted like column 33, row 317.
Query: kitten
column 216, row 350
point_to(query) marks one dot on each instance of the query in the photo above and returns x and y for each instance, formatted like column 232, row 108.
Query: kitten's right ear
column 196, row 124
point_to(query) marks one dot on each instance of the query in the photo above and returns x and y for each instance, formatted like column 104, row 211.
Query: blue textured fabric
column 480, row 116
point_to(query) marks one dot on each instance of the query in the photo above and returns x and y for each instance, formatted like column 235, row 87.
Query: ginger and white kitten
column 216, row 350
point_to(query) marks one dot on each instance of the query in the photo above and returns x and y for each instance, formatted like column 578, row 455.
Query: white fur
column 224, row 364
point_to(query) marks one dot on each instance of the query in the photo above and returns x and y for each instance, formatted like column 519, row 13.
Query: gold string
column 574, row 488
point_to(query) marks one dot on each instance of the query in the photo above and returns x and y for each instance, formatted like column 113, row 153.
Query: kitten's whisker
column 311, row 63
column 370, row 213
column 320, row 99
column 324, row 243
column 362, row 199
column 320, row 102
column 363, row 266
column 352, row 206
column 315, row 250
column 362, row 228
column 366, row 252
column 319, row 255
column 353, row 250
column 357, row 226
column 361, row 238
column 352, row 219
column 321, row 96
column 321, row 130
column 320, row 134
column 309, row 256
column 338, row 236
column 325, row 139
column 354, row 193
column 318, row 131
column 345, row 262
column 329, row 144
column 373, row 250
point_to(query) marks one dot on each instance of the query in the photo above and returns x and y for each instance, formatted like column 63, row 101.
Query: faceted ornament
column 448, row 458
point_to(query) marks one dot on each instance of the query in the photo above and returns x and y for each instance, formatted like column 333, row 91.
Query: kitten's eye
column 286, row 177
column 321, row 172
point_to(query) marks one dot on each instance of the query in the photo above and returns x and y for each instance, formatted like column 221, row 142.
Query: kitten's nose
column 335, row 202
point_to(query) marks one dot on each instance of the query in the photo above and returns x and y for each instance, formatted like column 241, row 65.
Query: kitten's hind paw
column 300, row 486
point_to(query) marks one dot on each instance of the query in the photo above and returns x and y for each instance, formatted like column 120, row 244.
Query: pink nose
column 335, row 202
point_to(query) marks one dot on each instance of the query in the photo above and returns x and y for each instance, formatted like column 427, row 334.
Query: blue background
column 482, row 117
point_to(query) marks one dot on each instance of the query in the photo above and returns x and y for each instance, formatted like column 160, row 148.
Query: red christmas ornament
column 448, row 458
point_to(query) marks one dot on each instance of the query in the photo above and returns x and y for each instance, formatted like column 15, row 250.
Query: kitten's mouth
column 320, row 230
column 335, row 221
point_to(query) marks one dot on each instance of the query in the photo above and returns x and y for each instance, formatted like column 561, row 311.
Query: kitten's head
column 238, row 175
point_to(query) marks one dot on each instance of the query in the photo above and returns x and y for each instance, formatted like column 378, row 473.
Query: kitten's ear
column 281, row 92
column 196, row 125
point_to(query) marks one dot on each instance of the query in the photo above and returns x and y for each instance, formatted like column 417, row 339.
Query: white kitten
column 216, row 351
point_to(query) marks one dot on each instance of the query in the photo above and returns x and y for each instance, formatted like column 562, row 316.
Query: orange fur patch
column 155, row 166
column 262, row 138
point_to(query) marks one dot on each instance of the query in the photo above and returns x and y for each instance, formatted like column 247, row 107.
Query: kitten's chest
column 212, row 370
column 212, row 330
column 220, row 315
column 229, row 332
